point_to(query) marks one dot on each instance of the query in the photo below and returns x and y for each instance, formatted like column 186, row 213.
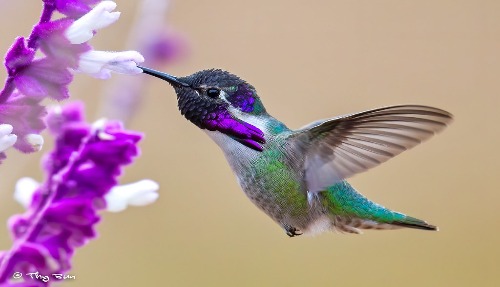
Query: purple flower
column 72, row 8
column 62, row 212
column 63, row 43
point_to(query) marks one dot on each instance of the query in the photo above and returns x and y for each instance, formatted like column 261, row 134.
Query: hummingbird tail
column 354, row 225
column 352, row 212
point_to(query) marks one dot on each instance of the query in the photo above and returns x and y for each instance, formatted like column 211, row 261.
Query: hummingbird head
column 217, row 100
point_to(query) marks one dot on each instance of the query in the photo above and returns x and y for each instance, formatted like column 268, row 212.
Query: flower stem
column 7, row 90
column 9, row 86
column 48, row 10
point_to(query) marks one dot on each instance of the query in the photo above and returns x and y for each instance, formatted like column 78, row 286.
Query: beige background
column 308, row 61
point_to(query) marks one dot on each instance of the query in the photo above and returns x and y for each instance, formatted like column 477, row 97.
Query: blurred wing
column 339, row 148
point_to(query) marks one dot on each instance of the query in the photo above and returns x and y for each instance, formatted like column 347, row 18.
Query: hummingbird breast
column 273, row 178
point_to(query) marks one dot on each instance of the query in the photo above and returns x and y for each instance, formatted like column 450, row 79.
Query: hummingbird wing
column 341, row 147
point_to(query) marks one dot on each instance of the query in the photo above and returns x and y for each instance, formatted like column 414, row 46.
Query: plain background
column 307, row 61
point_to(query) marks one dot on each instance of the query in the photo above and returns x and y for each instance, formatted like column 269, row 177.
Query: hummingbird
column 298, row 177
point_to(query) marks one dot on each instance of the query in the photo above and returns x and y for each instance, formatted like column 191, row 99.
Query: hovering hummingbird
column 297, row 177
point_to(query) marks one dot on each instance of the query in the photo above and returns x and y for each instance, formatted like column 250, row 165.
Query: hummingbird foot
column 291, row 231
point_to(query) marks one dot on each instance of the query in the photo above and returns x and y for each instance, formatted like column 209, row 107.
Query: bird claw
column 292, row 231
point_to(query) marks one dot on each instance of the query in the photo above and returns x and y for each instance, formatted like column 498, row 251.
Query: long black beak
column 164, row 76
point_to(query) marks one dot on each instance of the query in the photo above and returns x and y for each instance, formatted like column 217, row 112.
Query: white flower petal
column 144, row 198
column 7, row 141
column 25, row 188
column 100, row 63
column 140, row 193
column 36, row 141
column 102, row 16
column 99, row 17
column 6, row 138
column 98, row 127
column 5, row 129
column 99, row 124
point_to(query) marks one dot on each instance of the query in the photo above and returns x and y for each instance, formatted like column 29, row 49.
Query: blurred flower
column 165, row 47
column 64, row 45
column 62, row 212
column 25, row 188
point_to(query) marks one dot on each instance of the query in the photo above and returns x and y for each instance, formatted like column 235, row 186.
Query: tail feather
column 411, row 222
column 355, row 225
column 352, row 211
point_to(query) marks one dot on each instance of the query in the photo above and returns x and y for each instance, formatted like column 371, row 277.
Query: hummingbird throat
column 215, row 116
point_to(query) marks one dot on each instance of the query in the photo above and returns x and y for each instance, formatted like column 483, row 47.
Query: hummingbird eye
column 213, row 93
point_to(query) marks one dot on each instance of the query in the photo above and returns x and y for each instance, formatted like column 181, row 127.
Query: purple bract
column 81, row 170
